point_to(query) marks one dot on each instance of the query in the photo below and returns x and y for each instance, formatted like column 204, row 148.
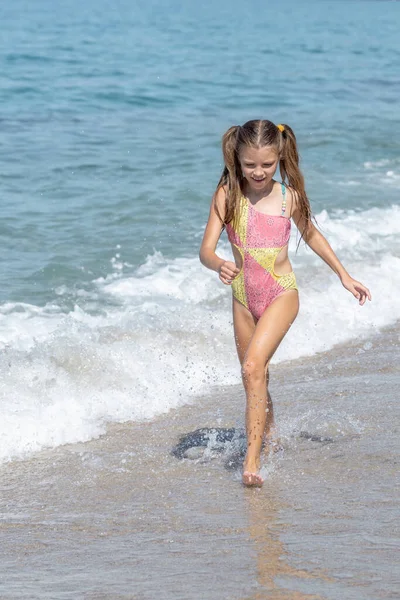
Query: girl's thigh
column 272, row 327
column 244, row 326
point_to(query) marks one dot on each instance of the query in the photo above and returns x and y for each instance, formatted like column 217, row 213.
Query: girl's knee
column 253, row 370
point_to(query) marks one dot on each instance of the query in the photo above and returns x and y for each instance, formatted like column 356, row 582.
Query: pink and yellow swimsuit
column 259, row 238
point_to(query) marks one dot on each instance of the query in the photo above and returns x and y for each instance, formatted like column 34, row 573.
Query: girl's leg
column 244, row 326
column 270, row 432
column 268, row 334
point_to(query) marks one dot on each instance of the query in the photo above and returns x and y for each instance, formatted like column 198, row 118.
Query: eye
column 267, row 165
column 249, row 165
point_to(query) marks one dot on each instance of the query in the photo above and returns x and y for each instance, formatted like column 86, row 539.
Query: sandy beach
column 120, row 517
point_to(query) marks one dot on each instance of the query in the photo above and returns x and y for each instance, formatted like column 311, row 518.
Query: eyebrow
column 264, row 161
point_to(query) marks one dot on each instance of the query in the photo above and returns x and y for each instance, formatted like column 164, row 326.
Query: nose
column 258, row 172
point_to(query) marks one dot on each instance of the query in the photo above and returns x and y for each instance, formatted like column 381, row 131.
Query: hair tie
column 281, row 128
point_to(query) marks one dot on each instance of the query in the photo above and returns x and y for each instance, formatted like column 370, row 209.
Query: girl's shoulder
column 223, row 189
column 220, row 196
column 218, row 203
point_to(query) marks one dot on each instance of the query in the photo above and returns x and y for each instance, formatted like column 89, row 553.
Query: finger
column 227, row 269
column 364, row 290
column 231, row 268
column 365, row 297
column 365, row 293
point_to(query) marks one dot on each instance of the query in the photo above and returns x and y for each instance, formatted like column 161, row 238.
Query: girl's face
column 258, row 166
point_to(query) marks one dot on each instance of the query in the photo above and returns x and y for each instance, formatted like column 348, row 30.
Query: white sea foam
column 167, row 335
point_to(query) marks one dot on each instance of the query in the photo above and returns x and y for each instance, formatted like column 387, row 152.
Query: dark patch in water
column 228, row 441
column 218, row 436
column 315, row 438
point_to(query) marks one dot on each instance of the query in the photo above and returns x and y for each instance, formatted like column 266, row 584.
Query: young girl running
column 256, row 211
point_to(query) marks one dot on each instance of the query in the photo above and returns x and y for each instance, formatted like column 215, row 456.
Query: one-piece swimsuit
column 259, row 238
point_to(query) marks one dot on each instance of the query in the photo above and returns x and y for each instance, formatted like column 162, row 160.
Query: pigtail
column 291, row 174
column 231, row 175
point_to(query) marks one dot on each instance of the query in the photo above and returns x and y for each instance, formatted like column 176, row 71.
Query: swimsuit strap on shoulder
column 283, row 199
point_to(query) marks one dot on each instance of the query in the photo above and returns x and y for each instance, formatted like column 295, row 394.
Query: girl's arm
column 226, row 269
column 319, row 244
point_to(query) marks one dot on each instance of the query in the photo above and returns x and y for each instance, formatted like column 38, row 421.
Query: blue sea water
column 111, row 119
column 111, row 116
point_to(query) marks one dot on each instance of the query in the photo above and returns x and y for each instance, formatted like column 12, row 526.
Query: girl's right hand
column 228, row 271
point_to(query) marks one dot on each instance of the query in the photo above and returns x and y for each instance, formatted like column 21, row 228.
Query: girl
column 256, row 211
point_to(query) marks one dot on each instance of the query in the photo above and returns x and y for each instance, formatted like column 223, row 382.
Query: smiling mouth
column 254, row 179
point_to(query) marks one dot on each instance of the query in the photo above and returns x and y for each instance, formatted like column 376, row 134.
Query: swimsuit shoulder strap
column 283, row 199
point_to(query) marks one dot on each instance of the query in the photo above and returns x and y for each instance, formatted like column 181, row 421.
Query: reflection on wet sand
column 262, row 509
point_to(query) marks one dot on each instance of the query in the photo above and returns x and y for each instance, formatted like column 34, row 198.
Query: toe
column 252, row 479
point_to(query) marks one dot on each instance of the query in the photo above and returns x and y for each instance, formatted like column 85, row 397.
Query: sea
column 115, row 341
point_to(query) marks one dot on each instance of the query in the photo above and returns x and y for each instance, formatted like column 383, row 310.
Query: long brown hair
column 257, row 134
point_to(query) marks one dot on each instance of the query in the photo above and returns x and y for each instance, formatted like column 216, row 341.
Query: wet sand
column 121, row 518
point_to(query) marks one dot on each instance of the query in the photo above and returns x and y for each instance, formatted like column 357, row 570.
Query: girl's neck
column 257, row 195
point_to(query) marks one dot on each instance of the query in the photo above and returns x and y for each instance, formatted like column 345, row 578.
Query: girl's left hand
column 358, row 290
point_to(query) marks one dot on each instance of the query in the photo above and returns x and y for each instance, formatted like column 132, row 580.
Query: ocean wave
column 162, row 334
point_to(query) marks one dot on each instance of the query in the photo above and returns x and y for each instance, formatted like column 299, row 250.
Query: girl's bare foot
column 250, row 476
column 252, row 479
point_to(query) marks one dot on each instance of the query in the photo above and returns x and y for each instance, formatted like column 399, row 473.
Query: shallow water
column 120, row 517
